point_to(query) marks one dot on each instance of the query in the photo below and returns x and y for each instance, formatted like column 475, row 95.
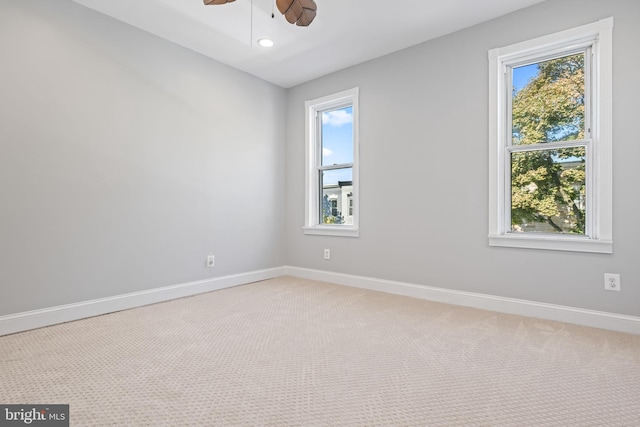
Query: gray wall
column 424, row 168
column 125, row 160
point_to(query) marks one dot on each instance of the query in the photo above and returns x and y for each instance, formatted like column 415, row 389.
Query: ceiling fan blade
column 308, row 4
column 306, row 18
column 299, row 12
column 284, row 5
column 290, row 9
column 217, row 1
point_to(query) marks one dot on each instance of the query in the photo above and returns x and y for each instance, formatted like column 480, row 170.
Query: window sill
column 554, row 243
column 332, row 230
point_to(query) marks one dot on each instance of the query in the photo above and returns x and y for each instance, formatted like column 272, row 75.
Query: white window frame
column 599, row 188
column 313, row 154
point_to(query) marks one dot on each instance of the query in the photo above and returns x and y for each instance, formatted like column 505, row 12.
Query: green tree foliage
column 548, row 185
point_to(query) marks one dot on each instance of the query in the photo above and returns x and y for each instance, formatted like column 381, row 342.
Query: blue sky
column 522, row 75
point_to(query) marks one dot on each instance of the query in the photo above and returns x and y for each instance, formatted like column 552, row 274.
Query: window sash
column 510, row 148
column 508, row 185
column 587, row 49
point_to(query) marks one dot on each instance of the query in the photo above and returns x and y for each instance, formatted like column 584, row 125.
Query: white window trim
column 600, row 181
column 312, row 154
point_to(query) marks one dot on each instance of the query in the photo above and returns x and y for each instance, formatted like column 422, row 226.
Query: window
column 550, row 133
column 332, row 165
column 334, row 209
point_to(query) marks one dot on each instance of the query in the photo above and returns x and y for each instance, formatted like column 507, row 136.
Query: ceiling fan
column 299, row 12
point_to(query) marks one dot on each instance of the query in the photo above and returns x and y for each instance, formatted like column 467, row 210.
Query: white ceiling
column 344, row 33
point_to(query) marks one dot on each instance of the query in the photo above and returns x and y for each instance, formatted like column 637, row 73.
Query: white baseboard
column 24, row 321
column 577, row 316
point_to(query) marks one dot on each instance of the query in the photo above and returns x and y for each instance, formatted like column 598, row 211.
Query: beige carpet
column 293, row 352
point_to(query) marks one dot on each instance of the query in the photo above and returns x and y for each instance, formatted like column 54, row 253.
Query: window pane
column 337, row 190
column 337, row 136
column 548, row 101
column 548, row 191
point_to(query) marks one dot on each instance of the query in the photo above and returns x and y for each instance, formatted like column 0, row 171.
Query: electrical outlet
column 612, row 282
column 327, row 254
column 211, row 261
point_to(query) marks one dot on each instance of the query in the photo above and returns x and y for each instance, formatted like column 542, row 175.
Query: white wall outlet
column 612, row 282
column 327, row 254
column 211, row 261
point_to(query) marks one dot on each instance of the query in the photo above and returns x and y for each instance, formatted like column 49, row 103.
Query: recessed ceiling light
column 265, row 42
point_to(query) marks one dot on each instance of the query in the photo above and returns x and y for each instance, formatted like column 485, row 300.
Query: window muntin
column 552, row 146
column 332, row 165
